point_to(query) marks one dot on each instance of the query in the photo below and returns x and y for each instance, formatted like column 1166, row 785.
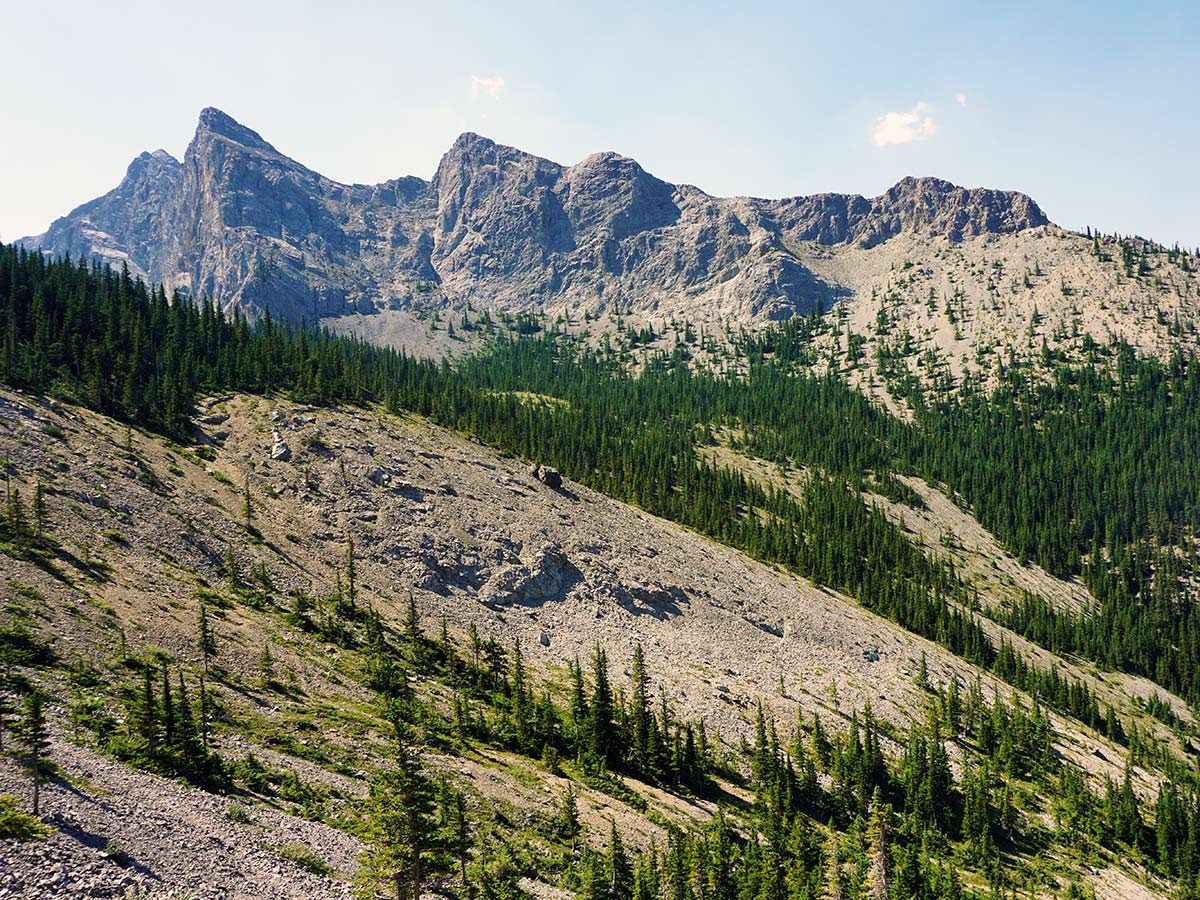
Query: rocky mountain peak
column 945, row 208
column 238, row 221
column 215, row 123
column 154, row 164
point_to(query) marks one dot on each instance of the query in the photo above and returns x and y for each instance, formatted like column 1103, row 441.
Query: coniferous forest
column 1089, row 470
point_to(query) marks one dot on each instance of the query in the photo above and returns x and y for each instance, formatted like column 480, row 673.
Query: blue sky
column 1089, row 107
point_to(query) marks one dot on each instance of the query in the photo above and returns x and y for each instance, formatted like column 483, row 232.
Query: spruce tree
column 640, row 713
column 832, row 887
column 266, row 665
column 41, row 516
column 879, row 877
column 351, row 576
column 569, row 826
column 619, row 869
column 412, row 632
column 206, row 641
column 170, row 724
column 233, row 574
column 399, row 828
column 17, row 520
column 145, row 717
column 600, row 714
column 33, row 742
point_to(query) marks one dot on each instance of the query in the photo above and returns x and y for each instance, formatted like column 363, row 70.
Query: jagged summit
column 241, row 222
column 215, row 122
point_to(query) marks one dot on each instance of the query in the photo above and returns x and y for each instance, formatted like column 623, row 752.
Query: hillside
column 764, row 633
column 144, row 529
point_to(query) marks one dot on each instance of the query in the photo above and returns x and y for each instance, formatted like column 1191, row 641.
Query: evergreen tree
column 619, row 869
column 7, row 708
column 206, row 640
column 33, row 742
column 569, row 826
column 879, row 877
column 412, row 632
column 640, row 712
column 351, row 576
column 266, row 665
column 399, row 828
column 832, row 887
column 601, row 729
column 41, row 516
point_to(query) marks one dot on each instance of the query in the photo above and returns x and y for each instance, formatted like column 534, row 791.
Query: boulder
column 546, row 475
column 280, row 451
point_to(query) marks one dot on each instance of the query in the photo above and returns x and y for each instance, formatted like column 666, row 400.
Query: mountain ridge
column 256, row 230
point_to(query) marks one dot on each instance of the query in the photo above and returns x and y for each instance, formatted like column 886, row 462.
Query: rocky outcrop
column 126, row 226
column 240, row 222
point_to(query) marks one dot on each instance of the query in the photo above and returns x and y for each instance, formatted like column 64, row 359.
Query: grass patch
column 305, row 857
column 28, row 591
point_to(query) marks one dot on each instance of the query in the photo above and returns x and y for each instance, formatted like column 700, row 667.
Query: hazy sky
column 1089, row 107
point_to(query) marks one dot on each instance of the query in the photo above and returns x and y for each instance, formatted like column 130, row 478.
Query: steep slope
column 497, row 227
column 147, row 528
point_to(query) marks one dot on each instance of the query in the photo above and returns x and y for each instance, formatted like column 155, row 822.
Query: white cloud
column 905, row 127
column 484, row 88
column 960, row 99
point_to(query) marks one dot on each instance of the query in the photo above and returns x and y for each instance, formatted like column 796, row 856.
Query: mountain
column 497, row 227
column 299, row 610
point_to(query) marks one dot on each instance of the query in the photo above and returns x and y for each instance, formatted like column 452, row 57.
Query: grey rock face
column 126, row 225
column 257, row 231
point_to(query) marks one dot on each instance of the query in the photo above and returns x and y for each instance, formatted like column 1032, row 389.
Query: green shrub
column 18, row 826
column 304, row 857
column 235, row 812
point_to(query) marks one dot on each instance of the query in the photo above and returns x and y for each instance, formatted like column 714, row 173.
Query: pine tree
column 351, row 575
column 16, row 520
column 266, row 665
column 40, row 512
column 170, row 724
column 33, row 741
column 646, row 882
column 203, row 713
column 521, row 699
column 206, row 641
column 233, row 574
column 569, row 826
column 598, row 883
column 399, row 828
column 186, row 726
column 640, row 713
column 7, row 657
column 145, row 717
column 619, row 869
column 412, row 632
column 832, row 888
column 457, row 828
column 600, row 715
